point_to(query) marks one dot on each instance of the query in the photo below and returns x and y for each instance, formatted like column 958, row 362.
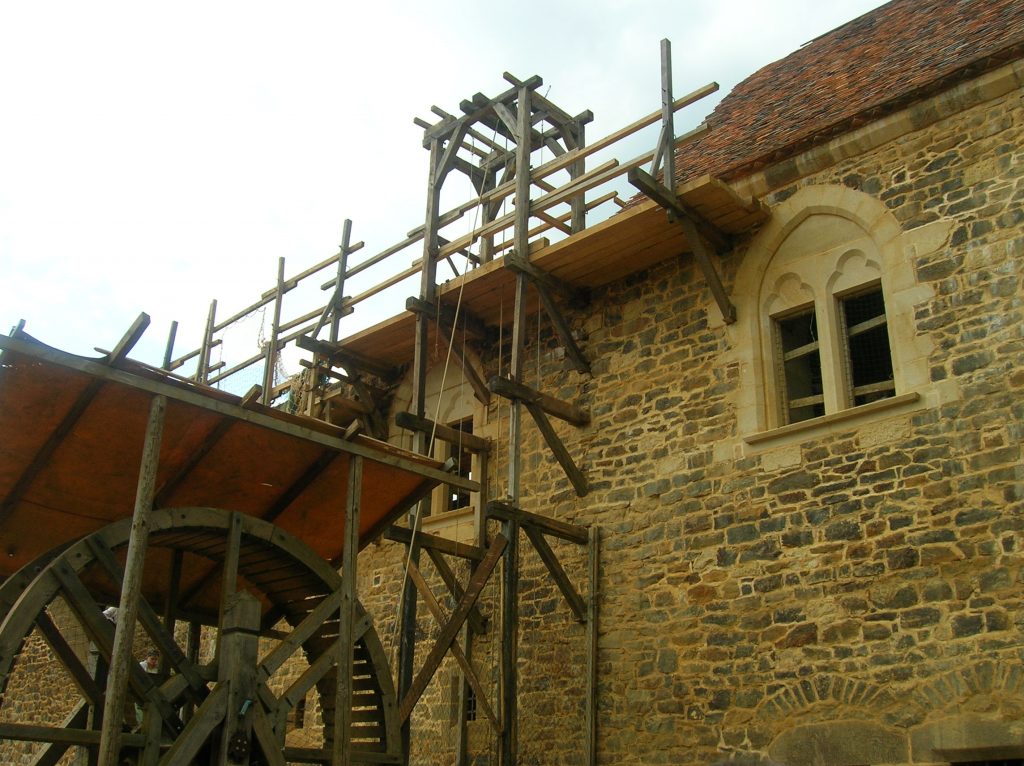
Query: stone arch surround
column 971, row 712
column 896, row 250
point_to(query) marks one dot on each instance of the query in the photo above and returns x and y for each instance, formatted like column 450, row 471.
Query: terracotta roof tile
column 870, row 66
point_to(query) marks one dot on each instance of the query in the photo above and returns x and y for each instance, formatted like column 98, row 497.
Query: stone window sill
column 853, row 415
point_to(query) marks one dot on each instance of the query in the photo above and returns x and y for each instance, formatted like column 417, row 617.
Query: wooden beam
column 300, row 485
column 573, row 295
column 572, row 598
column 451, row 628
column 469, row 372
column 506, row 511
column 563, row 330
column 344, row 358
column 477, row 622
column 52, row 635
column 460, row 656
column 554, row 407
column 461, row 319
column 428, row 541
column 647, row 184
column 697, row 231
column 703, row 257
column 101, row 632
column 594, row 578
column 147, row 616
column 508, row 744
column 341, row 750
column 572, row 472
column 121, row 659
column 445, row 433
column 206, row 718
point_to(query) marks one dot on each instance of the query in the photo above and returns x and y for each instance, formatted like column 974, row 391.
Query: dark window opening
column 1002, row 762
column 869, row 356
column 470, row 704
column 460, row 498
column 800, row 366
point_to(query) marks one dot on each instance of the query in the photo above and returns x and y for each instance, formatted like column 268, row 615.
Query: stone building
column 811, row 517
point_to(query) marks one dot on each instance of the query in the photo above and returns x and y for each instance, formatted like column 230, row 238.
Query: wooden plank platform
column 635, row 239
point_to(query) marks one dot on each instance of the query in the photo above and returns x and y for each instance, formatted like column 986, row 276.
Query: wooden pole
column 271, row 353
column 341, row 751
column 236, row 669
column 667, row 124
column 577, row 169
column 169, row 351
column 203, row 366
column 338, row 300
column 509, row 751
column 594, row 570
column 131, row 588
column 428, row 291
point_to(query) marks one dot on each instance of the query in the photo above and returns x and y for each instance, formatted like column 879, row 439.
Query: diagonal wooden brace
column 572, row 597
column 451, row 629
column 460, row 656
column 697, row 230
column 562, row 329
column 574, row 474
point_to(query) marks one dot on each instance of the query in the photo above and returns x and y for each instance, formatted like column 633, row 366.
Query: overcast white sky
column 154, row 156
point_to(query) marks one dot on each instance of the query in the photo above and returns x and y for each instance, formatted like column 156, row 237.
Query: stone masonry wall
column 861, row 604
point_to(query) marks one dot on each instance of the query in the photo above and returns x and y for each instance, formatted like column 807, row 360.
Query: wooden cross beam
column 697, row 230
column 450, row 630
column 477, row 622
column 563, row 530
column 445, row 433
column 341, row 357
column 460, row 656
column 575, row 296
column 555, row 407
column 446, row 313
column 428, row 542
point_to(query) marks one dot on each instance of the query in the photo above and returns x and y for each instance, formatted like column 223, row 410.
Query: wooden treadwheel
column 239, row 701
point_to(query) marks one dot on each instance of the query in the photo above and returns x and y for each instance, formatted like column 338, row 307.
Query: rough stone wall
column 843, row 608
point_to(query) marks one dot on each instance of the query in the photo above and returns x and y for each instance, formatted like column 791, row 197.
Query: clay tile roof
column 873, row 65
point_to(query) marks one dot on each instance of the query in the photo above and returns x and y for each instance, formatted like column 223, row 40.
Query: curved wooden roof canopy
column 71, row 438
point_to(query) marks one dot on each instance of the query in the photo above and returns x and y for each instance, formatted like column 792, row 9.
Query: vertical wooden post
column 131, row 588
column 169, row 350
column 192, row 641
column 428, row 290
column 236, row 667
column 668, row 133
column 268, row 371
column 509, row 752
column 578, row 168
column 594, row 571
column 171, row 605
column 339, row 286
column 203, row 365
column 229, row 572
column 341, row 752
column 462, row 733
